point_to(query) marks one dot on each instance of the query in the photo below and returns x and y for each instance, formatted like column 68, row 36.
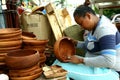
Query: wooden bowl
column 41, row 48
column 6, row 44
column 9, row 31
column 25, row 69
column 42, row 56
column 7, row 51
column 28, row 35
column 42, row 59
column 3, row 54
column 64, row 48
column 10, row 35
column 27, row 73
column 2, row 59
column 10, row 48
column 23, row 58
column 35, row 42
column 18, row 37
column 2, row 63
column 32, row 77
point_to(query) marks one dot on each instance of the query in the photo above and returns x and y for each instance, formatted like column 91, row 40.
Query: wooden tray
column 54, row 72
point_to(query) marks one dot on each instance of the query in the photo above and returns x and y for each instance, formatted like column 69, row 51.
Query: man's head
column 85, row 17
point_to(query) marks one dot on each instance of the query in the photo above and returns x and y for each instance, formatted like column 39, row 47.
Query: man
column 103, row 42
column 102, row 45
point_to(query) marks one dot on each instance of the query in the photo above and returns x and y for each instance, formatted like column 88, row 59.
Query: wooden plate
column 64, row 48
column 28, row 35
column 3, row 54
column 10, row 35
column 24, row 70
column 40, row 48
column 32, row 42
column 10, row 48
column 9, row 30
column 6, row 44
column 2, row 59
column 24, row 74
column 2, row 63
column 33, row 77
column 11, row 38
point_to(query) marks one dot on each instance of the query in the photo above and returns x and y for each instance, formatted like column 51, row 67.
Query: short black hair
column 81, row 10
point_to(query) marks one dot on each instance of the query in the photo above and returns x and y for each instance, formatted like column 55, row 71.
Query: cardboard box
column 38, row 24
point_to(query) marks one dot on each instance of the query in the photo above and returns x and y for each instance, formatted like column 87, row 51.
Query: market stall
column 34, row 40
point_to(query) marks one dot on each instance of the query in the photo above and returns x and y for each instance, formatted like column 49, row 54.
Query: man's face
column 85, row 22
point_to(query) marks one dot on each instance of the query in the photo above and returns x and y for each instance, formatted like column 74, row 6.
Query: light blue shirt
column 103, row 46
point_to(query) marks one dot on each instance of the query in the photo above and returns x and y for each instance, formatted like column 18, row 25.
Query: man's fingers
column 68, row 60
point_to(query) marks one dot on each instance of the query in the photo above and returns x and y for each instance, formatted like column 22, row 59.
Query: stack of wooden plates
column 10, row 39
column 26, row 74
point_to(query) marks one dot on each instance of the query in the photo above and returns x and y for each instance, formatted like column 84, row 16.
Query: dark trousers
column 118, row 73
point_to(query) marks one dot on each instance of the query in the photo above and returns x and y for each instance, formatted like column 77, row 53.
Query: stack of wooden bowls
column 10, row 39
column 39, row 45
column 23, row 64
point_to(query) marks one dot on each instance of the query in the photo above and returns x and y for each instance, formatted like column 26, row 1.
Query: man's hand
column 74, row 59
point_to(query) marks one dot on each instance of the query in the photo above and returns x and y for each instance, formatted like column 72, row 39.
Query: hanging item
column 11, row 14
column 2, row 20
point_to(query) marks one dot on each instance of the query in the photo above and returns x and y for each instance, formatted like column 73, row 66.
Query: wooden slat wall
column 59, row 19
column 53, row 21
column 101, row 1
column 114, row 3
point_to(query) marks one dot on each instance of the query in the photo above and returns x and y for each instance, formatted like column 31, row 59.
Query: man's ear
column 88, row 15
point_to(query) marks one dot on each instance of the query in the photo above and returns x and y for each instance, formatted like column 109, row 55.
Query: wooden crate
column 59, row 19
column 53, row 21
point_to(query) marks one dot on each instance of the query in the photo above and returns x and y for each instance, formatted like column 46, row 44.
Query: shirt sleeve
column 105, row 60
column 81, row 44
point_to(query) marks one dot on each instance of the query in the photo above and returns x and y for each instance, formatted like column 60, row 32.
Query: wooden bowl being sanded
column 64, row 48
